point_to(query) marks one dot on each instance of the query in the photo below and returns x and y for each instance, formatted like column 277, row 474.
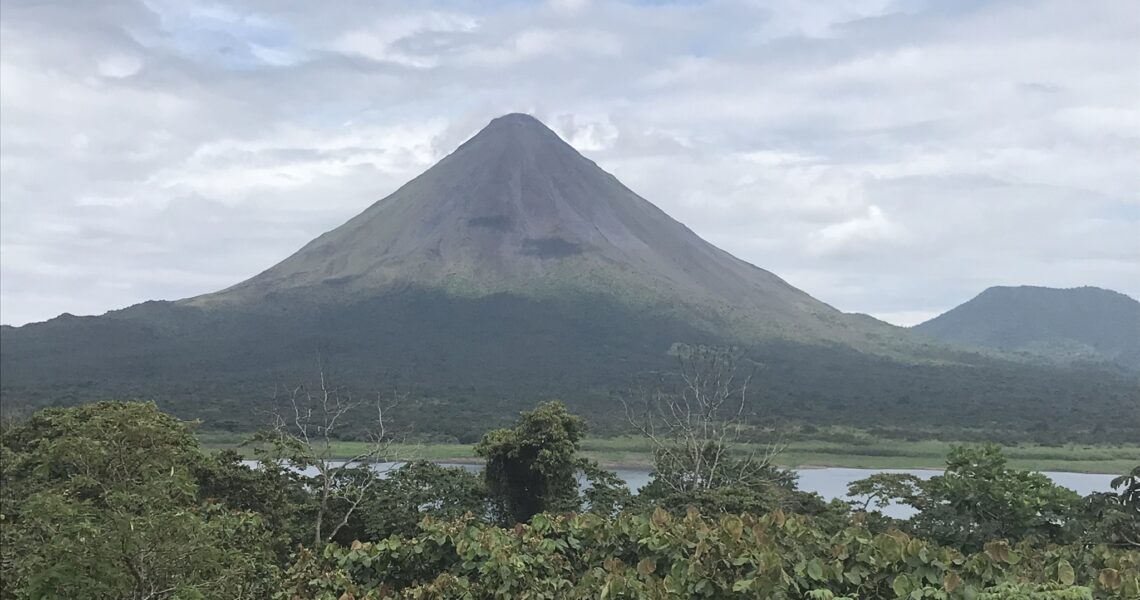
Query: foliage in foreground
column 659, row 556
column 111, row 501
column 101, row 501
column 979, row 499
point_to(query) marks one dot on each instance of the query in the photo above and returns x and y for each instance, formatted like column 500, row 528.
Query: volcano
column 517, row 210
column 512, row 270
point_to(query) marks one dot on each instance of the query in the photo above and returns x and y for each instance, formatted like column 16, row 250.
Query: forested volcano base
column 116, row 500
column 468, row 365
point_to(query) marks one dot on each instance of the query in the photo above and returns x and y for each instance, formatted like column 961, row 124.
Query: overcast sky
column 893, row 158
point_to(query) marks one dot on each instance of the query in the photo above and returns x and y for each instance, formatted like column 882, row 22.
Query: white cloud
column 293, row 158
column 379, row 41
column 533, row 44
column 889, row 157
column 854, row 234
column 277, row 57
column 118, row 66
column 569, row 5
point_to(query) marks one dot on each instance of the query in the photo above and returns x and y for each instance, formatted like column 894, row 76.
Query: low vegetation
column 118, row 500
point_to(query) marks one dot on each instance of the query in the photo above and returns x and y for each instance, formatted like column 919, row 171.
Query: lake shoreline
column 633, row 466
column 831, row 483
column 646, row 465
column 629, row 452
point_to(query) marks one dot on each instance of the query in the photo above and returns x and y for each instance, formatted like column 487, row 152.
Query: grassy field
column 866, row 452
column 435, row 452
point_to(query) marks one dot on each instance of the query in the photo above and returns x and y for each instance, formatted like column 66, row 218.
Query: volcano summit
column 514, row 268
column 517, row 210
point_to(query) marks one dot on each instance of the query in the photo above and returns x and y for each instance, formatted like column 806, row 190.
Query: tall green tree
column 532, row 467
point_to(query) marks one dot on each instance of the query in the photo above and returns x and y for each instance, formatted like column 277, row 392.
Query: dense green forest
column 1064, row 325
column 463, row 391
column 117, row 500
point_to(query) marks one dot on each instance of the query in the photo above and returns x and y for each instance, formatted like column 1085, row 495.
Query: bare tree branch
column 318, row 416
column 695, row 421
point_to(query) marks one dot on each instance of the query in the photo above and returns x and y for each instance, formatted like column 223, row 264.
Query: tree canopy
column 116, row 500
column 532, row 467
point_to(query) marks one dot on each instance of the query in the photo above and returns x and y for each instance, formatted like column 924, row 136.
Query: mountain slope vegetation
column 1064, row 325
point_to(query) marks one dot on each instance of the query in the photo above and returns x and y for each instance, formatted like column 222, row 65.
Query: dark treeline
column 462, row 391
column 116, row 500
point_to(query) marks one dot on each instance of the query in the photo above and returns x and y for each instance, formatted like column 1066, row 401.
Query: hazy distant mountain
column 513, row 269
column 1079, row 324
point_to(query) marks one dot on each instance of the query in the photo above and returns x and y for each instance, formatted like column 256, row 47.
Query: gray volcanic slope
column 1080, row 324
column 517, row 209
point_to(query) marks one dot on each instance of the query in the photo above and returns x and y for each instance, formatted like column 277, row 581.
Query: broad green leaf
column 1065, row 573
column 815, row 569
column 901, row 585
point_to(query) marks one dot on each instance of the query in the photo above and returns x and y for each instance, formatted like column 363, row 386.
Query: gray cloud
column 889, row 157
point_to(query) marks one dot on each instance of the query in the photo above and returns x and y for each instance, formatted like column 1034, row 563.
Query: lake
column 831, row 482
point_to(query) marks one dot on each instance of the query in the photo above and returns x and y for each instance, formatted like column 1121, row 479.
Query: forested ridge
column 586, row 355
column 1063, row 325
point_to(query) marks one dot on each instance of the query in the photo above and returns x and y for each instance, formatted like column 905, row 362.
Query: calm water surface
column 832, row 482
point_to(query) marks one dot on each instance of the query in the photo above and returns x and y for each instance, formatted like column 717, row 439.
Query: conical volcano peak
column 519, row 126
column 515, row 136
column 515, row 209
column 517, row 120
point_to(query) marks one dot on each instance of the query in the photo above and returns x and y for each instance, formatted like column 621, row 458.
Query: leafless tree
column 306, row 422
column 695, row 416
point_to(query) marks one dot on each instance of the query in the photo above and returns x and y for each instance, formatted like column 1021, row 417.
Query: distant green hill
column 517, row 269
column 1084, row 324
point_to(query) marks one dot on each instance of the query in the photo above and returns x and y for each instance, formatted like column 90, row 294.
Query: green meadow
column 864, row 452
